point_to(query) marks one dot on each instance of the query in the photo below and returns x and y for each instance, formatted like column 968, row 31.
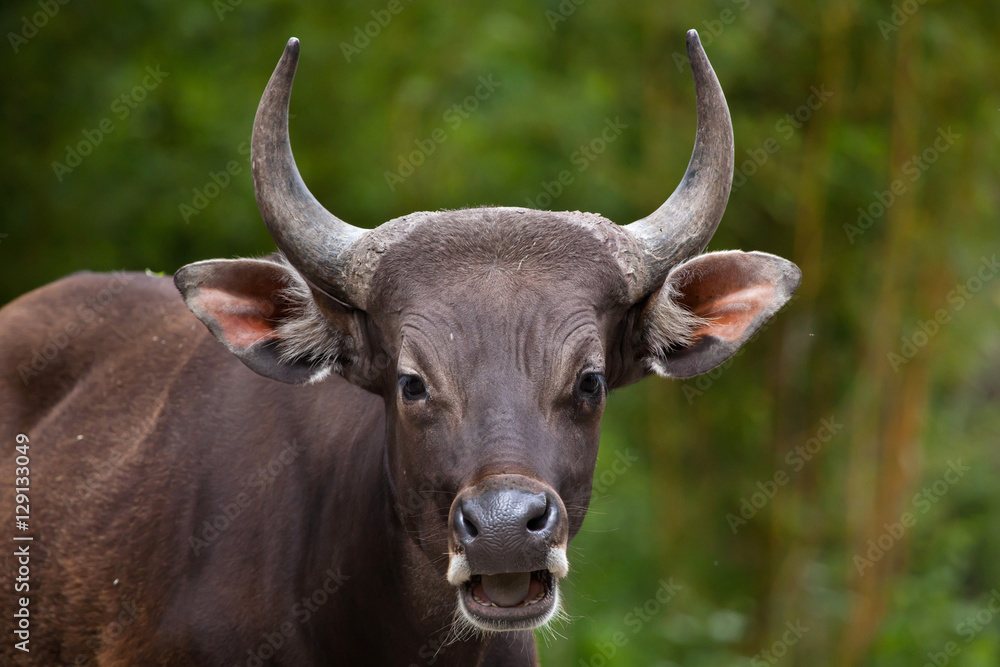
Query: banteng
column 407, row 447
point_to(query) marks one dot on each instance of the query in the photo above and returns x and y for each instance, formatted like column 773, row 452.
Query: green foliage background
column 899, row 75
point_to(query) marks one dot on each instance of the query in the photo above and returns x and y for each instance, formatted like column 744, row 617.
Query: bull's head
column 493, row 336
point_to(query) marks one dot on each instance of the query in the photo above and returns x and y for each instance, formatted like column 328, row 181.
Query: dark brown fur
column 173, row 426
column 143, row 428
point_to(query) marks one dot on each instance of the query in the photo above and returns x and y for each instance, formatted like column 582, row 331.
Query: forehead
column 501, row 260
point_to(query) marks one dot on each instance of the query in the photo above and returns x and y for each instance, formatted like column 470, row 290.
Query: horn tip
column 694, row 43
column 696, row 52
column 292, row 48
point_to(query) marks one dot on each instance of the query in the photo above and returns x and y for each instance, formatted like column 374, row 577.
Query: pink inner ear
column 726, row 288
column 244, row 320
column 732, row 312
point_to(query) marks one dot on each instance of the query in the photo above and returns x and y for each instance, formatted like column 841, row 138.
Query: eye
column 413, row 388
column 590, row 385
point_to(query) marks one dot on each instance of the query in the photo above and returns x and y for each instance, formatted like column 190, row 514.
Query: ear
column 266, row 314
column 710, row 306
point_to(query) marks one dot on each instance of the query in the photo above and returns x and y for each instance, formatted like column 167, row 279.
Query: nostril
column 541, row 521
column 465, row 529
column 470, row 528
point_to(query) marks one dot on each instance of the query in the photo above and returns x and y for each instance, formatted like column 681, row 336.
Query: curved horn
column 685, row 223
column 314, row 240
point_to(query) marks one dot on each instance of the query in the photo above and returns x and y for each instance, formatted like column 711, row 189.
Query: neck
column 384, row 596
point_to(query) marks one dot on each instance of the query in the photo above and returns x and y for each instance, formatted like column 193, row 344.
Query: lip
column 535, row 610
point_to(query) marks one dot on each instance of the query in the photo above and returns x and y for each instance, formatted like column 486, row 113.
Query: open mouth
column 514, row 601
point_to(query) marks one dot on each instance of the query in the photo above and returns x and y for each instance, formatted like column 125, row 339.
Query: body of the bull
column 186, row 511
column 386, row 457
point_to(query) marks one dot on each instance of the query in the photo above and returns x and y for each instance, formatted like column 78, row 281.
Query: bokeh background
column 796, row 506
